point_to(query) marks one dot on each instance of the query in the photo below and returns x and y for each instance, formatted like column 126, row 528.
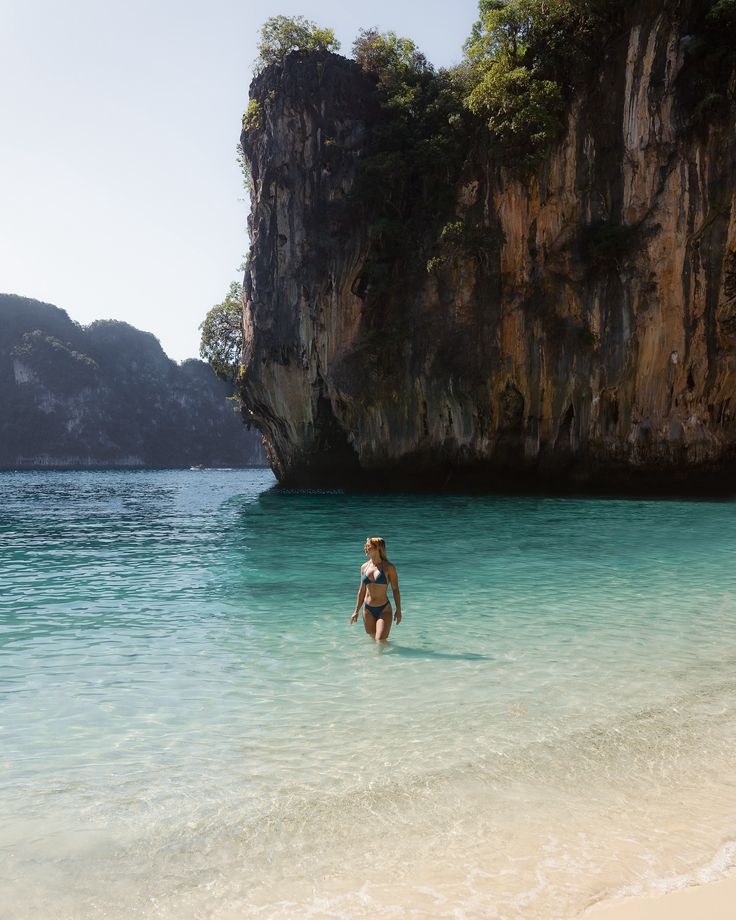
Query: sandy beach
column 712, row 900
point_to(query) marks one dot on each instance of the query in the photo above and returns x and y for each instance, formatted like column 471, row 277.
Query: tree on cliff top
column 383, row 53
column 221, row 344
column 281, row 35
column 524, row 56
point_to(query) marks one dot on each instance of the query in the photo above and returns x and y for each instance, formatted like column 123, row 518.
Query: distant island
column 106, row 395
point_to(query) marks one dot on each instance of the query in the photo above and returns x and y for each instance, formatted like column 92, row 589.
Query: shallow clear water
column 191, row 728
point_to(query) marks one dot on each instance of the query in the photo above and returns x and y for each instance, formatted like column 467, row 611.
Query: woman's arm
column 359, row 602
column 393, row 577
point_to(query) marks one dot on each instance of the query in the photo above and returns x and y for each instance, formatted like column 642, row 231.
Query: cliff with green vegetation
column 106, row 395
column 521, row 272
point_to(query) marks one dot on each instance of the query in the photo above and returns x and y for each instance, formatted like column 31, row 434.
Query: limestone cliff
column 592, row 340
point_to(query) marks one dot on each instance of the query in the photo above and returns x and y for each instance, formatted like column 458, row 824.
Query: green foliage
column 59, row 363
column 242, row 160
column 281, row 35
column 221, row 342
column 253, row 116
column 554, row 38
column 463, row 238
column 390, row 58
column 435, row 263
column 523, row 58
column 503, row 32
column 523, row 113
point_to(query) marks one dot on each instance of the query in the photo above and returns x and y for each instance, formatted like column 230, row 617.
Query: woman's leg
column 370, row 624
column 383, row 625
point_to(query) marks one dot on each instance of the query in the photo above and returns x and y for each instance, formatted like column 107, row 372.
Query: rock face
column 106, row 395
column 592, row 345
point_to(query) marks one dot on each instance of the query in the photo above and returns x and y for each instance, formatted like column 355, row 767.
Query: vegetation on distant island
column 106, row 394
column 221, row 342
column 63, row 363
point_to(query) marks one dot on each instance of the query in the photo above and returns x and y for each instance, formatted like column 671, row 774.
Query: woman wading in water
column 375, row 577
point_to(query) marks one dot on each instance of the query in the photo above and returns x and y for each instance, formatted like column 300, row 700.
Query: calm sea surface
column 189, row 727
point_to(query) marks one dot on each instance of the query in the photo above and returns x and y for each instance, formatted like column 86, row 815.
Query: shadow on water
column 408, row 651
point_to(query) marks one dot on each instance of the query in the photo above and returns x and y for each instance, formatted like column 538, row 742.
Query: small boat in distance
column 198, row 466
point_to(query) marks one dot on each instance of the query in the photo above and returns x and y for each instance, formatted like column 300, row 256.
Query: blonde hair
column 380, row 545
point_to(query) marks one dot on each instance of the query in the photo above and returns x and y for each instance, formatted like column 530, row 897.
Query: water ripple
column 184, row 710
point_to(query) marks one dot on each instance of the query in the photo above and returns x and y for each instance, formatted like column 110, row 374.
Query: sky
column 120, row 195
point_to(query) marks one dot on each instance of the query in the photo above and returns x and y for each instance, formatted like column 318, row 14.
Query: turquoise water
column 191, row 728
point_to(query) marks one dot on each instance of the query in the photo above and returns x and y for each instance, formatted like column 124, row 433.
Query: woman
column 375, row 577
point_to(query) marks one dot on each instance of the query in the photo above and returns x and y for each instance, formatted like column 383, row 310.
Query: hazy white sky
column 120, row 197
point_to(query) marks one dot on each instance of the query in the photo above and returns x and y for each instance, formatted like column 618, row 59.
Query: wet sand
column 710, row 901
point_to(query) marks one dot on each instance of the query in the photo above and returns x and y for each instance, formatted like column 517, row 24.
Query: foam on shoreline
column 708, row 892
column 714, row 900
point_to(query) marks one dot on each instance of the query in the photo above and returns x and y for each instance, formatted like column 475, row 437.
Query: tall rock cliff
column 590, row 340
